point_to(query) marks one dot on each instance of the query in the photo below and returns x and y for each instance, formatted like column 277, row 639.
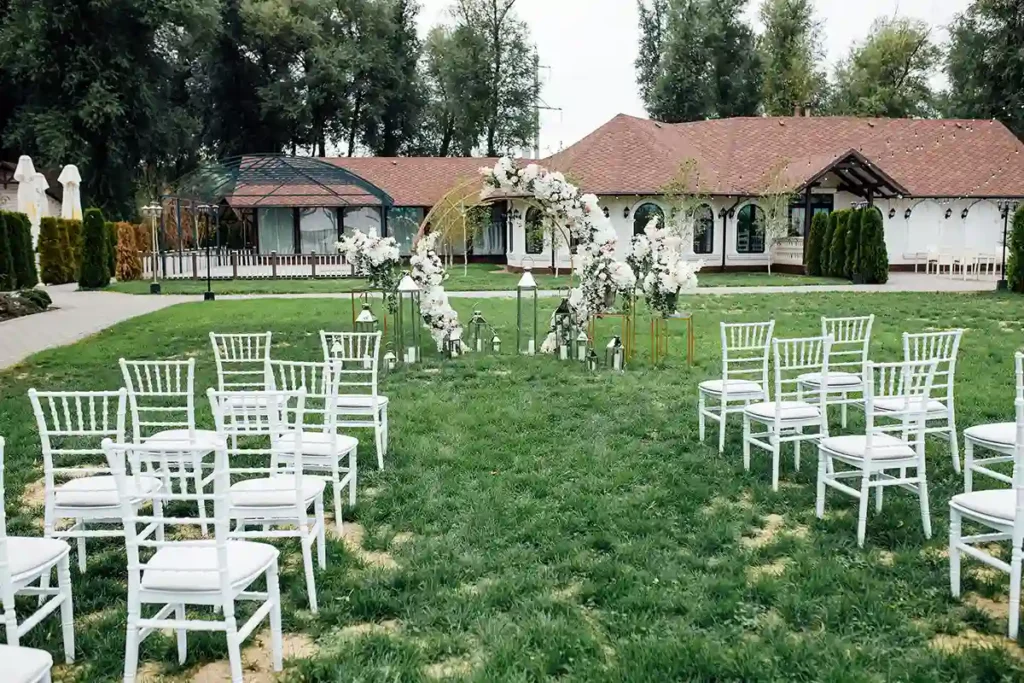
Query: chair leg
column 353, row 464
column 954, row 552
column 746, row 443
column 701, row 419
column 131, row 644
column 276, row 640
column 1015, row 563
column 968, row 466
column 796, row 450
column 307, row 563
column 197, row 469
column 336, row 492
column 67, row 610
column 11, row 624
column 819, row 501
column 386, row 432
column 878, row 498
column 234, row 647
column 954, row 444
column 862, row 513
column 842, row 412
column 321, row 538
column 922, row 494
column 179, row 614
column 721, row 425
column 81, row 546
column 773, row 439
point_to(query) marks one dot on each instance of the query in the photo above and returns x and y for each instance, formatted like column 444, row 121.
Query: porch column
column 807, row 220
column 297, row 230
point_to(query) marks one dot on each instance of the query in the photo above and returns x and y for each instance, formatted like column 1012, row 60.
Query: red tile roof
column 416, row 181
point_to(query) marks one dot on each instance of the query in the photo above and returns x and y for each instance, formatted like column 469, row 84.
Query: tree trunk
column 446, row 139
column 492, row 124
column 354, row 125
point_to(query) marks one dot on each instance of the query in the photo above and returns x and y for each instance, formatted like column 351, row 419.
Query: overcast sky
column 589, row 47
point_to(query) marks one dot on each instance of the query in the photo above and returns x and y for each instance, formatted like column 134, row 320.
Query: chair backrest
column 898, row 393
column 320, row 382
column 72, row 426
column 851, row 342
column 1018, row 361
column 357, row 356
column 6, row 584
column 241, row 360
column 1018, row 460
column 745, row 351
column 941, row 347
column 125, row 462
column 794, row 358
column 160, row 395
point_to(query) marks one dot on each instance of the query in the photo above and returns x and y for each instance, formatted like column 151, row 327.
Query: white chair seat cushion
column 23, row 664
column 205, row 439
column 319, row 443
column 30, row 554
column 246, row 561
column 835, row 379
column 276, row 491
column 883, row 446
column 100, row 491
column 732, row 387
column 1001, row 433
column 997, row 503
column 364, row 401
column 900, row 404
column 790, row 410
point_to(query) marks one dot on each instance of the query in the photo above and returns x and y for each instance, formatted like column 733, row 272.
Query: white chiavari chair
column 851, row 341
column 271, row 491
column 998, row 437
column 242, row 363
column 23, row 562
column 785, row 418
column 905, row 388
column 325, row 451
column 174, row 573
column 359, row 403
column 745, row 350
column 78, row 484
column 1001, row 512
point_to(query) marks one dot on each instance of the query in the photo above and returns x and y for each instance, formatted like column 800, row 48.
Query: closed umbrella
column 25, row 174
column 72, row 182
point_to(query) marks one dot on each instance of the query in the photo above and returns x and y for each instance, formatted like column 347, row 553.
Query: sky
column 588, row 48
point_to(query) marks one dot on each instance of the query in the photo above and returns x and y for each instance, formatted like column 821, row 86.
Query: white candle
column 582, row 354
column 410, row 355
column 531, row 347
column 563, row 352
column 479, row 344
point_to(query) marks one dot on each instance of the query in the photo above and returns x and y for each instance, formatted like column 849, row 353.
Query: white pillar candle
column 581, row 354
column 531, row 347
column 563, row 352
column 479, row 344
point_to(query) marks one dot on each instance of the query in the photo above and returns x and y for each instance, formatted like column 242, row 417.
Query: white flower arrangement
column 375, row 258
column 664, row 271
column 429, row 274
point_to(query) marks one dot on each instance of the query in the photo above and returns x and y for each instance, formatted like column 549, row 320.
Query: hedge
column 873, row 255
column 111, row 247
column 72, row 236
column 838, row 254
column 852, row 266
column 825, row 255
column 8, row 278
column 819, row 226
column 94, row 271
column 53, row 252
column 20, row 228
column 129, row 260
column 1015, row 259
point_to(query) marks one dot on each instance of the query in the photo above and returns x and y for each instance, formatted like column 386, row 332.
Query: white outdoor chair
column 999, row 437
column 904, row 388
column 851, row 341
column 745, row 348
column 23, row 562
column 359, row 404
column 78, row 485
column 931, row 256
column 969, row 262
column 242, row 363
column 203, row 573
column 1001, row 511
column 325, row 451
column 275, row 494
column 785, row 418
column 25, row 664
column 161, row 397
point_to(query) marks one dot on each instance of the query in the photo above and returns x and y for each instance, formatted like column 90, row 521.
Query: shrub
column 874, row 257
column 20, row 232
column 111, row 248
column 72, row 237
column 129, row 261
column 37, row 297
column 1015, row 259
column 838, row 255
column 54, row 259
column 819, row 225
column 852, row 266
column 94, row 272
column 8, row 278
column 826, row 244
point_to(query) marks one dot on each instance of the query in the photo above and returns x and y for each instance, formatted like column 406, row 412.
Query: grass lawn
column 478, row 277
column 537, row 521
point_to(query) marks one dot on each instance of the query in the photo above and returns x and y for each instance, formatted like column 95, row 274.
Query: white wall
column 9, row 202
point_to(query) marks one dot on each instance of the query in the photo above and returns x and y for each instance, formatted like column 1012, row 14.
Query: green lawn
column 545, row 522
column 478, row 277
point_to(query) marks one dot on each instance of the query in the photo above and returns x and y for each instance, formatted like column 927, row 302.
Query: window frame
column 636, row 214
column 538, row 237
column 709, row 232
column 758, row 212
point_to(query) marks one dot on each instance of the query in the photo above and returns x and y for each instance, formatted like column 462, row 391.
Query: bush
column 111, row 248
column 54, row 259
column 94, row 272
column 838, row 255
column 8, row 278
column 1015, row 259
column 129, row 261
column 819, row 225
column 826, row 244
column 72, row 237
column 874, row 256
column 37, row 297
column 852, row 266
column 25, row 271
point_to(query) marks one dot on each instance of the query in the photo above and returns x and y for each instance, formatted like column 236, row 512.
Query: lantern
column 390, row 361
column 564, row 329
column 477, row 330
column 581, row 346
column 592, row 360
column 452, row 344
column 614, row 356
column 496, row 344
column 408, row 314
column 526, row 285
column 366, row 321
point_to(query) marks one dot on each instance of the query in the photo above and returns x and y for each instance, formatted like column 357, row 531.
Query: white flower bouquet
column 375, row 258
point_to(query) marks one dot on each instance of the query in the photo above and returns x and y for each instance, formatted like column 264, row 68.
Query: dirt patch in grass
column 767, row 534
column 477, row 588
column 986, row 574
column 567, row 593
column 972, row 640
column 886, row 558
column 758, row 572
column 453, row 667
column 352, row 536
column 402, row 538
column 34, row 495
column 720, row 504
column 257, row 660
column 997, row 609
column 367, row 628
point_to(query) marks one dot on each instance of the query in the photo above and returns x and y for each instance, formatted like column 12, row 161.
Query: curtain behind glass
column 318, row 230
column 276, row 231
column 403, row 223
column 365, row 219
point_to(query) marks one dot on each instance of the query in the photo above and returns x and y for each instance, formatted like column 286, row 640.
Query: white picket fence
column 227, row 264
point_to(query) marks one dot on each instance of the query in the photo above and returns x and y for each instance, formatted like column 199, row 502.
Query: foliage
column 658, row 260
column 93, row 272
column 375, row 258
column 71, row 236
column 111, row 247
column 695, row 60
column 791, row 49
column 20, row 233
column 37, row 296
column 53, row 252
column 825, row 256
column 129, row 259
column 985, row 64
column 25, row 302
column 837, row 254
column 8, row 277
column 774, row 201
column 682, row 196
column 851, row 268
column 873, row 256
column 1015, row 258
column 819, row 228
column 889, row 74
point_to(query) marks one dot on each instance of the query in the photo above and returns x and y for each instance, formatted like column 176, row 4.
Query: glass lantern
column 452, row 344
column 527, row 286
column 592, row 360
column 564, row 335
column 496, row 344
column 390, row 360
column 478, row 331
column 582, row 340
column 407, row 341
column 614, row 354
column 366, row 321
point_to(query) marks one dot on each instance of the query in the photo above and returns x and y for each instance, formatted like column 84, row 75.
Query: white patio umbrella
column 25, row 174
column 72, row 182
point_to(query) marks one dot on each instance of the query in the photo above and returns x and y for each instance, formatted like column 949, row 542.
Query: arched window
column 534, row 231
column 750, row 230
column 643, row 215
column 703, row 230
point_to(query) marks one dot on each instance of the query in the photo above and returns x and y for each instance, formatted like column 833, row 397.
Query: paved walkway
column 80, row 314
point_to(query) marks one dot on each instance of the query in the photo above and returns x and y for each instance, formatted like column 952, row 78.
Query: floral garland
column 376, row 259
column 429, row 274
column 657, row 256
column 601, row 276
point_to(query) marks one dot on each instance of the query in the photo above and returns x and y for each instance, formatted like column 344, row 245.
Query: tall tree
column 888, row 74
column 653, row 26
column 790, row 51
column 455, row 112
column 986, row 63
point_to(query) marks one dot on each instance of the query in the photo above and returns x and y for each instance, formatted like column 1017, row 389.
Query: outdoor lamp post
column 477, row 328
column 366, row 321
column 408, row 304
column 206, row 210
column 613, row 354
column 1005, row 207
column 153, row 211
column 581, row 346
column 526, row 285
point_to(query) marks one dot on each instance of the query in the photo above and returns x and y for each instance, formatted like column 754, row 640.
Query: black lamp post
column 206, row 210
column 153, row 211
column 1005, row 207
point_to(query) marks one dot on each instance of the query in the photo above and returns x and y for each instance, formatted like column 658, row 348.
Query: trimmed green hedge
column 819, row 226
column 20, row 228
column 94, row 271
column 852, row 265
column 826, row 244
column 111, row 248
column 8, row 277
column 1015, row 259
column 837, row 258
column 873, row 255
